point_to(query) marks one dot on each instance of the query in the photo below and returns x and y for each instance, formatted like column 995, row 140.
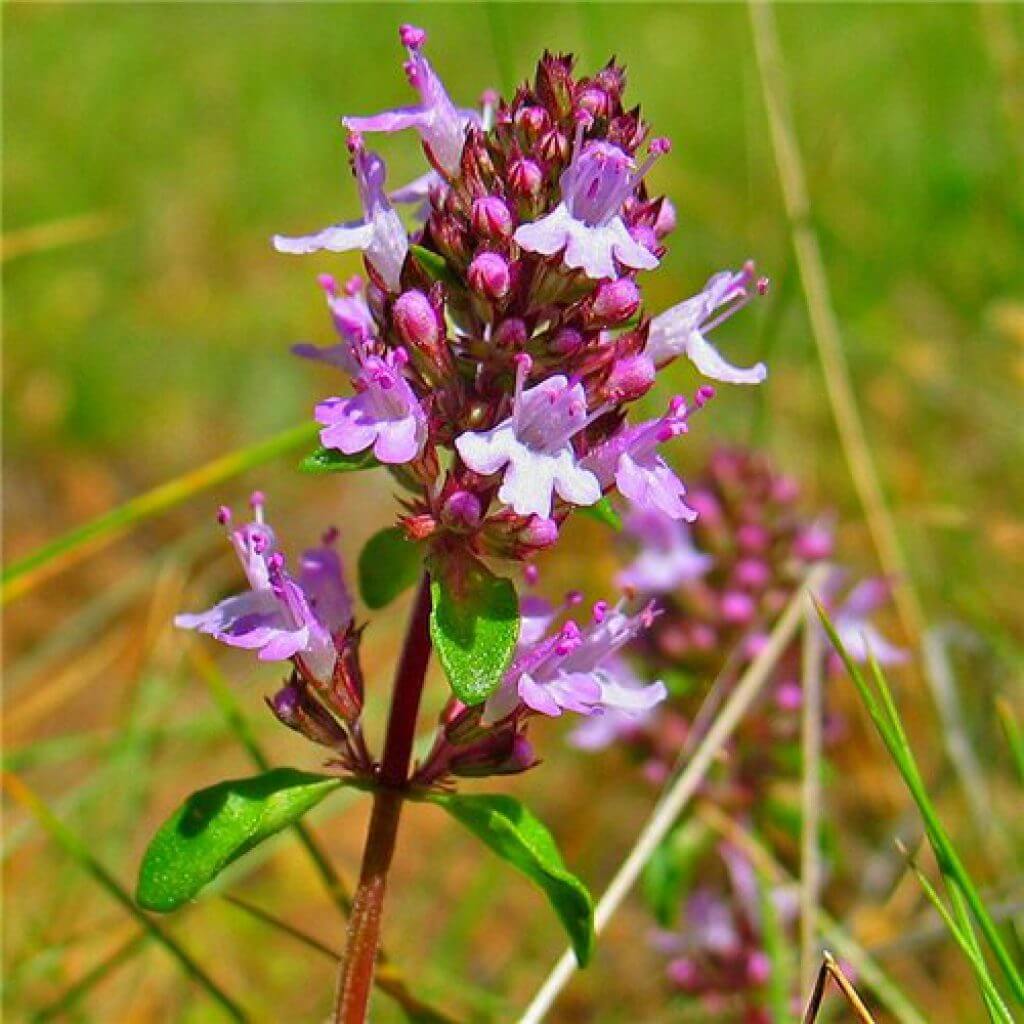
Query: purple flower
column 353, row 322
column 598, row 732
column 534, row 446
column 384, row 413
column 441, row 124
column 280, row 617
column 379, row 234
column 850, row 619
column 666, row 559
column 681, row 330
column 630, row 458
column 587, row 226
column 574, row 669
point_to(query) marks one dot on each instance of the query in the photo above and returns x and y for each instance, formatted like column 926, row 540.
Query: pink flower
column 384, row 413
column 681, row 330
column 534, row 447
column 441, row 125
column 353, row 322
column 667, row 558
column 630, row 459
column 279, row 616
column 380, row 234
column 575, row 669
column 587, row 226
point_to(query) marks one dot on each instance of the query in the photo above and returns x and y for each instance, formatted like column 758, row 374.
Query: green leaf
column 215, row 826
column 434, row 264
column 388, row 564
column 519, row 838
column 474, row 625
column 330, row 460
column 604, row 512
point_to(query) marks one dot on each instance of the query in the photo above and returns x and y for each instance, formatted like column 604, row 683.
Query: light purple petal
column 337, row 238
column 709, row 362
column 537, row 697
column 488, row 451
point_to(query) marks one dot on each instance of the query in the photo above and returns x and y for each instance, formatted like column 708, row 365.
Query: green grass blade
column 884, row 713
column 79, row 852
column 76, row 992
column 781, row 977
column 24, row 574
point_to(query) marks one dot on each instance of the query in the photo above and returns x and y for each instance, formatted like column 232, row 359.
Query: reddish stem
column 355, row 979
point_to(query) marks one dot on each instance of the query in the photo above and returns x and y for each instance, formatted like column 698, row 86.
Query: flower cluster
column 493, row 354
column 721, row 582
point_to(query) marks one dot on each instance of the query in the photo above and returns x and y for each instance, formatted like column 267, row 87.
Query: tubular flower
column 384, row 413
column 279, row 616
column 630, row 459
column 666, row 556
column 379, row 234
column 587, row 226
column 353, row 322
column 534, row 447
column 441, row 125
column 573, row 669
column 681, row 330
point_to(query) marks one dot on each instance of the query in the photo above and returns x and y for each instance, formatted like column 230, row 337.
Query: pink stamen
column 224, row 515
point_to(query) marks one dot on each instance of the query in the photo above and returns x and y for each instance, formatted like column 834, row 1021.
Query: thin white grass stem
column 810, row 739
column 681, row 790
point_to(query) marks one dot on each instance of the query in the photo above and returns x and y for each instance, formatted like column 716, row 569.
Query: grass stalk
column 59, row 554
column 810, row 796
column 80, row 853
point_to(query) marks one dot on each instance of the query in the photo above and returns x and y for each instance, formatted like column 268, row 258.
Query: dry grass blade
column 681, row 790
column 78, row 850
column 830, row 969
column 283, row 926
column 65, row 551
column 810, row 737
column 57, row 233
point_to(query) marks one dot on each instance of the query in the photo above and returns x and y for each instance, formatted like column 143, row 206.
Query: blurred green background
column 149, row 153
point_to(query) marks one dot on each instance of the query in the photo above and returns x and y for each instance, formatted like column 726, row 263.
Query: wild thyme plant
column 720, row 583
column 494, row 353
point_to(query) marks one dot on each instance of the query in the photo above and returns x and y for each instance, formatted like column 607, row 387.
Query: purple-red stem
column 355, row 979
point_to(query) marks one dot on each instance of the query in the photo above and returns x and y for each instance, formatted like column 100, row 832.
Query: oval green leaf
column 434, row 264
column 330, row 460
column 215, row 826
column 523, row 841
column 474, row 625
column 388, row 564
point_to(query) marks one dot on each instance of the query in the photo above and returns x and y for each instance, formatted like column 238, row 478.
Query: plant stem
column 355, row 978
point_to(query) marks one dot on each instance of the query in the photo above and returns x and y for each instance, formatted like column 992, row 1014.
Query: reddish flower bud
column 525, row 177
column 554, row 146
column 533, row 121
column 491, row 217
column 510, row 333
column 540, row 532
column 416, row 320
column 595, row 101
column 737, row 608
column 666, row 219
column 567, row 341
column 461, row 510
column 631, row 378
column 615, row 301
column 489, row 275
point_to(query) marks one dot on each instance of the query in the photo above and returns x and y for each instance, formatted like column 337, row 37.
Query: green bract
column 474, row 625
column 388, row 564
column 330, row 460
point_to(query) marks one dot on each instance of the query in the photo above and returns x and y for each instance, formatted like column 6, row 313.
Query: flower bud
column 595, row 101
column 759, row 967
column 525, row 177
column 539, row 532
column 665, row 222
column 630, row 379
column 491, row 217
column 753, row 537
column 489, row 275
column 567, row 341
column 461, row 510
column 684, row 973
column 510, row 333
column 416, row 320
column 554, row 146
column 814, row 543
column 789, row 696
column 737, row 608
column 752, row 573
column 615, row 301
column 533, row 121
